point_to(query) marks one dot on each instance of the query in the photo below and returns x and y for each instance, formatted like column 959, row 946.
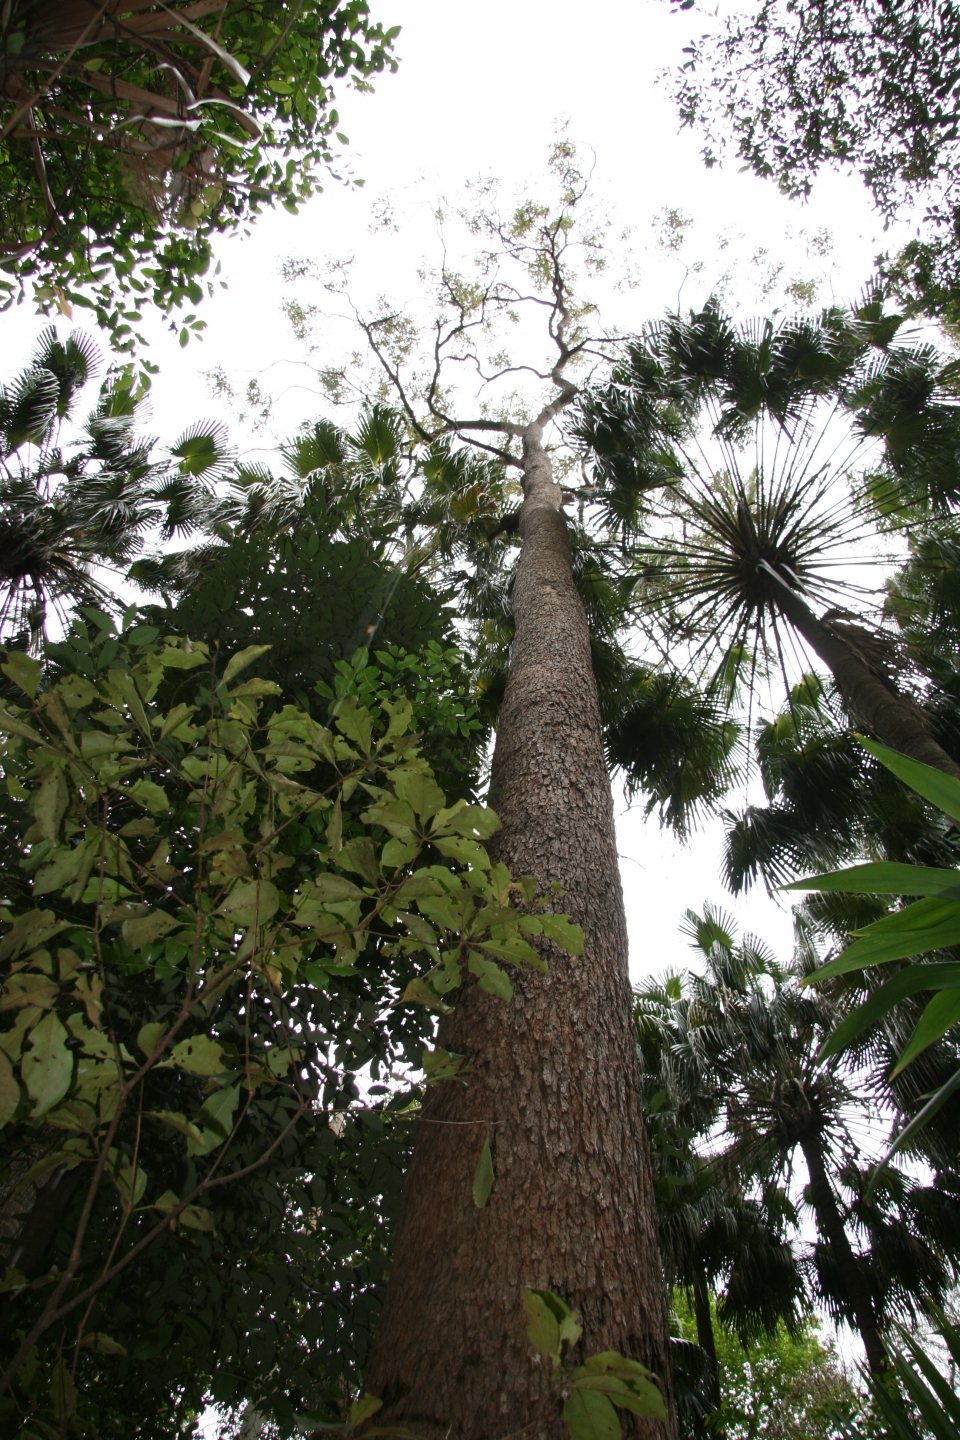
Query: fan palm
column 747, row 1035
column 761, row 445
column 67, row 509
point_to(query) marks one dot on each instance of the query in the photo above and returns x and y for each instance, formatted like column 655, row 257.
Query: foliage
column 932, row 1407
column 189, row 1008
column 870, row 87
column 926, row 925
column 131, row 139
column 63, row 514
column 784, row 1385
column 589, row 1391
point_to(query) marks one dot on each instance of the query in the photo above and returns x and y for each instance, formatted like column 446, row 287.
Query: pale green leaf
column 543, row 1327
column 420, row 792
column 195, row 1217
column 151, row 796
column 241, row 661
column 253, row 903
column 23, row 670
column 882, row 878
column 9, row 1091
column 490, row 977
column 138, row 933
column 939, row 1015
column 363, row 1408
column 101, row 1344
column 483, row 1176
column 200, row 1055
column 50, row 803
column 47, row 1066
column 355, row 722
column 940, row 789
column 149, row 1036
column 590, row 1416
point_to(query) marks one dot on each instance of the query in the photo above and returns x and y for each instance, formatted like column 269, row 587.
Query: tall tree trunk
column 894, row 718
column 555, row 1084
column 830, row 1224
column 705, row 1336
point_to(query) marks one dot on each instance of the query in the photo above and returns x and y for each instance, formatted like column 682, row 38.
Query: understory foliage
column 221, row 915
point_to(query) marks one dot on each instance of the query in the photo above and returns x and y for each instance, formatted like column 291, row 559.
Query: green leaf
column 32, row 928
column 9, row 1091
column 101, row 1344
column 23, row 671
column 151, row 796
column 942, row 1012
column 330, row 888
column 398, row 852
column 47, row 1067
column 363, row 1408
column 418, row 992
column 909, row 981
column 590, row 1416
column 941, row 790
column 175, row 718
column 543, row 1327
column 195, row 1217
column 149, row 1036
column 423, row 794
column 929, row 924
column 882, row 878
column 483, row 1176
column 144, row 931
column 475, row 822
column 26, row 989
column 241, row 660
column 50, row 803
column 490, row 977
column 200, row 1055
column 253, row 903
column 563, row 932
column 355, row 722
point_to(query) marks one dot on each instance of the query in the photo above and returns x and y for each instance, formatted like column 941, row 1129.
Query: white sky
column 479, row 91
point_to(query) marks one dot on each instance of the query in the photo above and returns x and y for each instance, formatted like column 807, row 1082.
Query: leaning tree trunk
column 555, row 1083
column 830, row 1224
column 894, row 718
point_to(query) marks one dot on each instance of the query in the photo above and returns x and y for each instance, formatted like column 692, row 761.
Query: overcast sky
column 479, row 92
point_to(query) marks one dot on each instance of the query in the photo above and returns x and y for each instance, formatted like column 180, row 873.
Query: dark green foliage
column 131, row 141
column 795, row 88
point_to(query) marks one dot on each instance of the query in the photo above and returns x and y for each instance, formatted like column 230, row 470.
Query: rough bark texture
column 555, row 1084
column 894, row 719
column 830, row 1224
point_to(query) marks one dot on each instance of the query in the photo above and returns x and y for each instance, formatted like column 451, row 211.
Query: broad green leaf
column 24, row 671
column 483, row 1176
column 253, row 903
column 423, row 794
column 397, row 853
column 32, row 928
column 9, row 1091
column 101, row 1344
column 138, row 933
column 216, row 1116
column 149, row 1036
column 200, row 1055
column 911, row 980
column 590, row 1416
column 635, row 1393
column 490, row 977
column 418, row 992
column 563, row 932
column 512, row 949
column 174, row 718
column 355, row 722
column 195, row 1217
column 175, row 657
column 11, row 725
column 543, row 1327
column 363, row 1408
column 335, row 829
column 613, row 1363
column 930, row 924
column 151, row 796
column 27, row 989
column 939, row 1015
column 940, row 789
column 331, row 887
column 239, row 662
column 474, row 822
column 468, row 852
column 76, row 692
column 47, row 1066
column 51, row 803
column 254, row 689
column 882, row 878
column 62, row 870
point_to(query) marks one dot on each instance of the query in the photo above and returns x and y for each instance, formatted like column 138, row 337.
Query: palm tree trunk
column 555, row 1084
column 830, row 1224
column 893, row 718
column 705, row 1336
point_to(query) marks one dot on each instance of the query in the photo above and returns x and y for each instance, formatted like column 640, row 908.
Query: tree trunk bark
column 894, row 719
column 830, row 1224
column 555, row 1085
column 705, row 1336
